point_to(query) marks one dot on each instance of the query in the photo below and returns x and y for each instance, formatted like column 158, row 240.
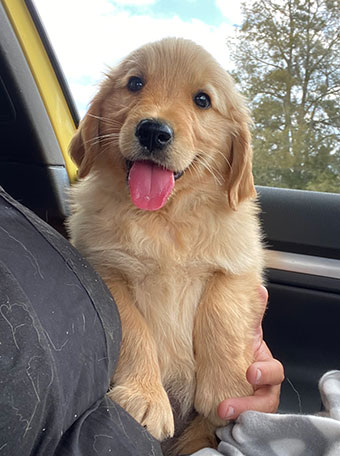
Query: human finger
column 267, row 372
column 266, row 399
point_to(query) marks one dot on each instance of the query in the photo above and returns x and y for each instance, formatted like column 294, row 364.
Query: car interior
column 301, row 228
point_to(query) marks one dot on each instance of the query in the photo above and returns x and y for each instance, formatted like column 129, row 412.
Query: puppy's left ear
column 240, row 181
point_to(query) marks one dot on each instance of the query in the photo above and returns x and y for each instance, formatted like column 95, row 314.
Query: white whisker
column 106, row 120
column 211, row 169
column 102, row 139
column 224, row 157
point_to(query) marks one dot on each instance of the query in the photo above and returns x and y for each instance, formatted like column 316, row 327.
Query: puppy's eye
column 202, row 100
column 135, row 84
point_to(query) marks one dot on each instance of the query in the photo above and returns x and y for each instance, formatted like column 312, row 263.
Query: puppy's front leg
column 137, row 384
column 224, row 328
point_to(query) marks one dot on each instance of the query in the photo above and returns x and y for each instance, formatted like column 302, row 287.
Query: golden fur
column 185, row 277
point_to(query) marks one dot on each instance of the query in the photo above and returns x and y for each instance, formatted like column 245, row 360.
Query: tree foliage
column 287, row 63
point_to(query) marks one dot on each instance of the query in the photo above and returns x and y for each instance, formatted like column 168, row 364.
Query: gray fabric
column 261, row 434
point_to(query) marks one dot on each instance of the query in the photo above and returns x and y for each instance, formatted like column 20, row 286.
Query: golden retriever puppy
column 165, row 211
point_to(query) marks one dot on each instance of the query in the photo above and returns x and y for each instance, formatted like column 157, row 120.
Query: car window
column 284, row 56
column 90, row 36
column 287, row 62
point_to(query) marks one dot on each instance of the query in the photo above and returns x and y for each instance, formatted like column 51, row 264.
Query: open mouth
column 150, row 184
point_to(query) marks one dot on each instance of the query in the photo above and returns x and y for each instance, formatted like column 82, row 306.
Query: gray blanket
column 264, row 434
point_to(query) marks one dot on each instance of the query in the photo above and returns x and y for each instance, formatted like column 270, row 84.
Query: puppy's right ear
column 85, row 143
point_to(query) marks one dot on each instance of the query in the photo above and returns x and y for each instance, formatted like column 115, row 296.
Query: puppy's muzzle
column 153, row 135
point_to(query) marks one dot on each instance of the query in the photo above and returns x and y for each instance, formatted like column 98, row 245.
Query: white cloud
column 134, row 2
column 95, row 35
column 231, row 10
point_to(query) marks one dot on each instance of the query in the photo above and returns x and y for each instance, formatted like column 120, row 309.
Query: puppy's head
column 168, row 116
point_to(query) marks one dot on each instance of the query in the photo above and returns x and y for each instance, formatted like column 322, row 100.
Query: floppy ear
column 240, row 182
column 85, row 143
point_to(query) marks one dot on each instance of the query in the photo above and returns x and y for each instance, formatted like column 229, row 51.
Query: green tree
column 287, row 63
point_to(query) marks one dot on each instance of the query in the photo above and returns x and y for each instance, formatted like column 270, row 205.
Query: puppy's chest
column 169, row 290
column 168, row 298
column 168, row 273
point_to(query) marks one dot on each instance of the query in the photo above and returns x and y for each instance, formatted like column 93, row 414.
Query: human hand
column 265, row 374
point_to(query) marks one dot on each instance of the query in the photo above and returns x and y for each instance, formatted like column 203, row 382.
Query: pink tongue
column 150, row 185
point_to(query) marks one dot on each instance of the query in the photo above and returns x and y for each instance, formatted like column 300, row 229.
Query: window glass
column 89, row 36
column 284, row 55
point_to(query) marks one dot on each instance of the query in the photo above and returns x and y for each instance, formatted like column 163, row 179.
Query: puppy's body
column 185, row 276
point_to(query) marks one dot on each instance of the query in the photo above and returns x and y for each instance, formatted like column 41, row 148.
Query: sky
column 89, row 36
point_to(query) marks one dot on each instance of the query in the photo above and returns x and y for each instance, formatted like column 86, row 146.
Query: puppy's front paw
column 149, row 406
column 210, row 393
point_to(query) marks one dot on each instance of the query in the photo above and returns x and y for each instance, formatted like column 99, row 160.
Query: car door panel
column 303, row 278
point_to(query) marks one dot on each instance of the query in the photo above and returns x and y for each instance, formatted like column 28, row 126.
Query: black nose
column 153, row 134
